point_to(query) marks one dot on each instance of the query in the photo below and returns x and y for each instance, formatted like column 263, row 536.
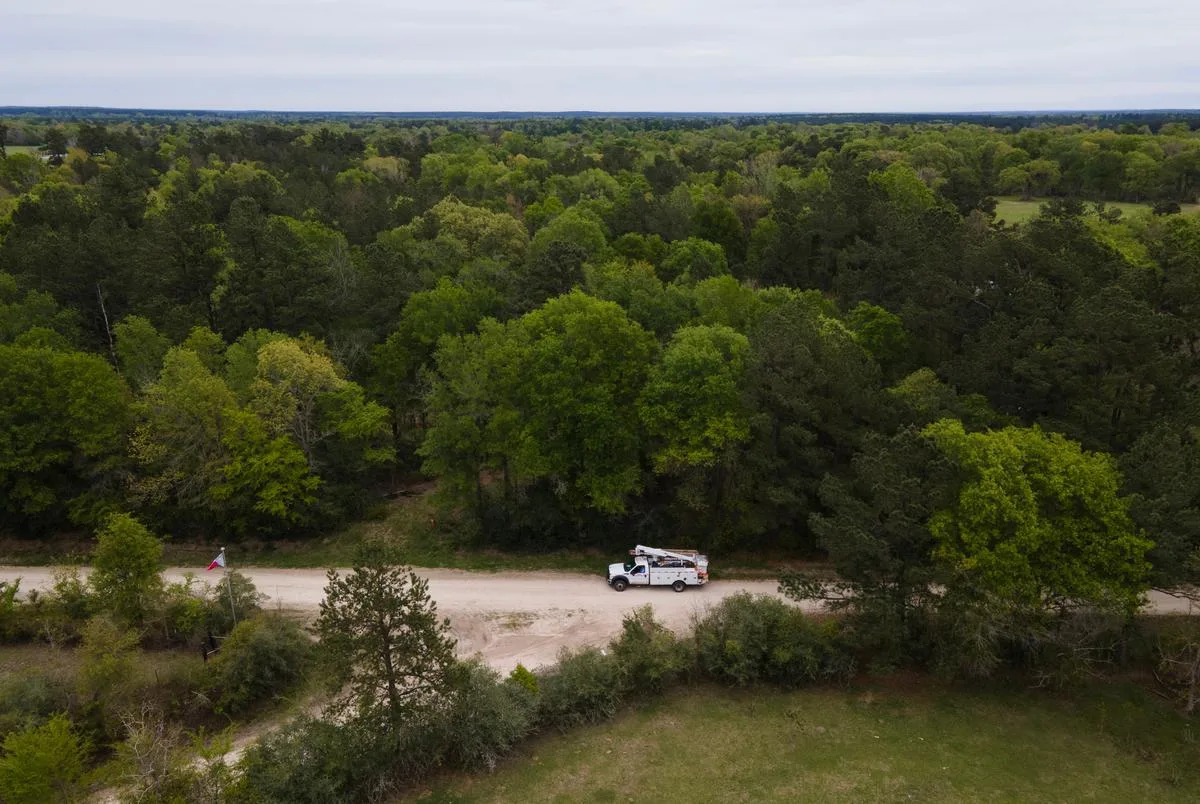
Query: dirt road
column 511, row 617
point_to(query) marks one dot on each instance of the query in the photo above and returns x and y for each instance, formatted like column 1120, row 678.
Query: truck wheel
column 679, row 586
column 619, row 584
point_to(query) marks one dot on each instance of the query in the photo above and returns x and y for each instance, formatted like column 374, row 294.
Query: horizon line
column 595, row 112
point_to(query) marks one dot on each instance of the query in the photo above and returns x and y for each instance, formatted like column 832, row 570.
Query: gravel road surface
column 511, row 617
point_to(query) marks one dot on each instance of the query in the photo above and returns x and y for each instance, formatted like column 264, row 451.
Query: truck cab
column 653, row 566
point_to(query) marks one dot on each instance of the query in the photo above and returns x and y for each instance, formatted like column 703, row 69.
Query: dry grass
column 57, row 662
column 64, row 663
column 512, row 620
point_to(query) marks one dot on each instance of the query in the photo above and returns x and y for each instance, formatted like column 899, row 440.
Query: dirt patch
column 512, row 620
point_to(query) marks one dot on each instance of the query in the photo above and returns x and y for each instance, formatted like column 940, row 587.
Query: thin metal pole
column 229, row 586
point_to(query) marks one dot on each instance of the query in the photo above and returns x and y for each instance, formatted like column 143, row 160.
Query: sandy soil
column 512, row 617
column 508, row 618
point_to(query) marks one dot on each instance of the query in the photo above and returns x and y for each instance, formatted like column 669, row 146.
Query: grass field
column 23, row 149
column 924, row 743
column 1010, row 209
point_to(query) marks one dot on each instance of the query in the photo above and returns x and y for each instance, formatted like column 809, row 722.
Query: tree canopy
column 688, row 329
column 388, row 652
column 1038, row 521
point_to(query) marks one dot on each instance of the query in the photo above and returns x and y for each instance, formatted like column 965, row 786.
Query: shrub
column 207, row 778
column 1057, row 649
column 126, row 568
column 19, row 620
column 477, row 722
column 522, row 676
column 315, row 761
column 247, row 600
column 30, row 698
column 190, row 613
column 182, row 613
column 650, row 655
column 148, row 758
column 1178, row 661
column 747, row 639
column 42, row 763
column 1069, row 648
column 486, row 717
column 63, row 611
column 157, row 761
column 887, row 636
column 262, row 658
column 109, row 656
column 107, row 680
column 179, row 688
column 965, row 642
column 15, row 626
column 584, row 687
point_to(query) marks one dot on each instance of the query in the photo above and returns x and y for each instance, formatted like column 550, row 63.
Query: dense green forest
column 744, row 334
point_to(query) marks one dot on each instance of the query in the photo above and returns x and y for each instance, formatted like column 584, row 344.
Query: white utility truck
column 650, row 566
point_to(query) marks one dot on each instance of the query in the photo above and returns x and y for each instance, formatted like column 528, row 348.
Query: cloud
column 643, row 55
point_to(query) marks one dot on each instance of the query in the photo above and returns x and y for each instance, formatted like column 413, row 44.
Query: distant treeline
column 1151, row 118
column 598, row 329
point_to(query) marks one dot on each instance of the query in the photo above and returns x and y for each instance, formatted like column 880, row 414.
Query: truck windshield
column 630, row 564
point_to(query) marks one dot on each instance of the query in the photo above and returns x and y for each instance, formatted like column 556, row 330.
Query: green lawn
column 1011, row 209
column 23, row 149
column 923, row 743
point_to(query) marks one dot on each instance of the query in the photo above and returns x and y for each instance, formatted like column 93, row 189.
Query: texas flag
column 219, row 561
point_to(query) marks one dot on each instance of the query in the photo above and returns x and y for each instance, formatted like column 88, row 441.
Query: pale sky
column 606, row 55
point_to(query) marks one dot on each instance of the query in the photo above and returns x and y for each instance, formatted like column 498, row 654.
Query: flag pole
column 229, row 586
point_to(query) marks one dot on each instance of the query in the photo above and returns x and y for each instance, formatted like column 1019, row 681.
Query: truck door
column 638, row 576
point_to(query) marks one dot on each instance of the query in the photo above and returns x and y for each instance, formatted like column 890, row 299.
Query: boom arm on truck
column 653, row 566
column 640, row 550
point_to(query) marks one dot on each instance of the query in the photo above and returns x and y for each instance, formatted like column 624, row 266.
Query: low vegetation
column 647, row 701
column 128, row 683
column 1014, row 210
column 121, row 680
column 399, row 714
column 877, row 741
